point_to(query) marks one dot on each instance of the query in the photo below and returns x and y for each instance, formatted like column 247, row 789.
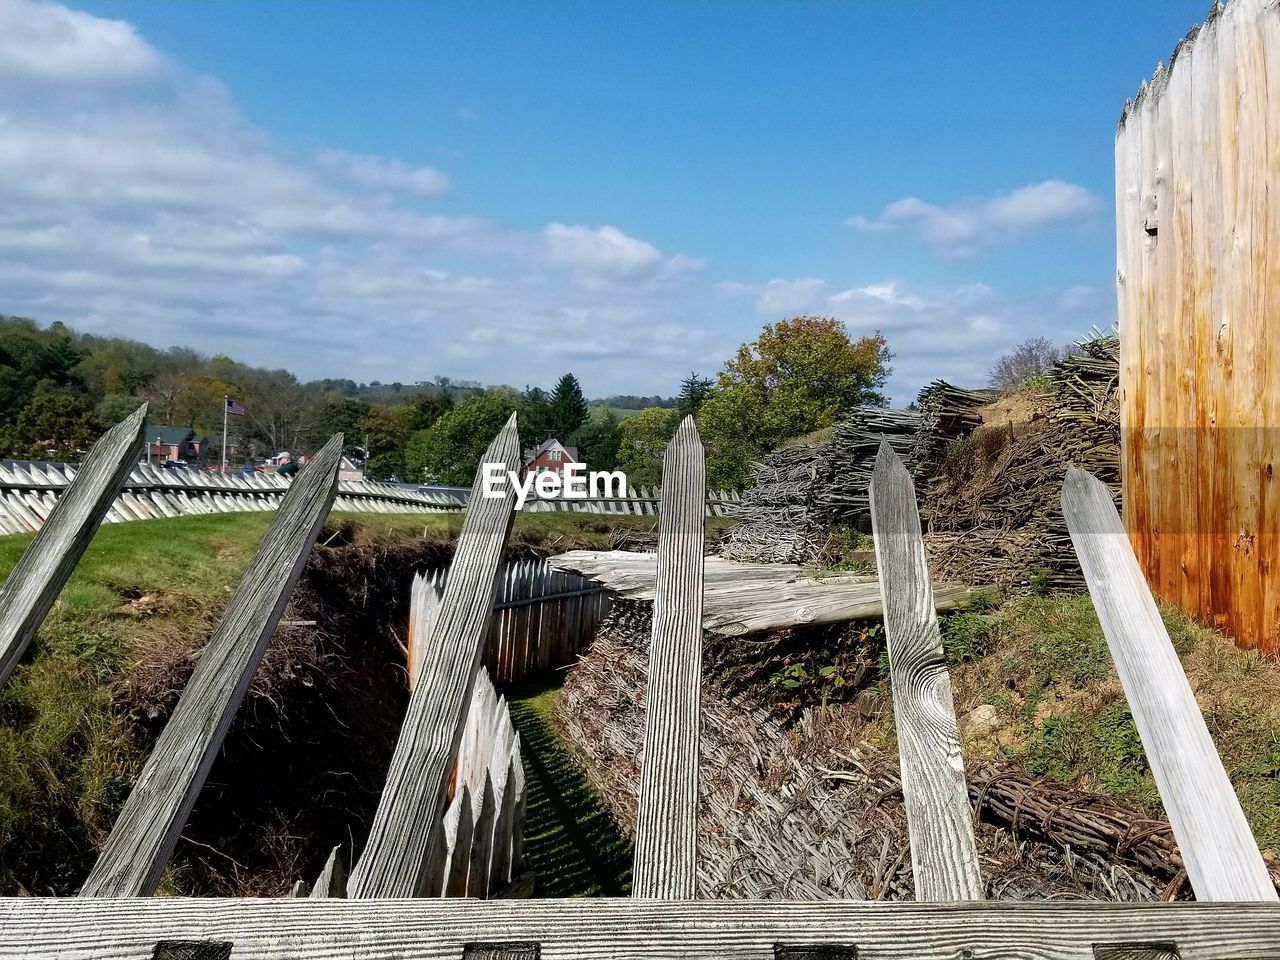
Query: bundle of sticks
column 993, row 510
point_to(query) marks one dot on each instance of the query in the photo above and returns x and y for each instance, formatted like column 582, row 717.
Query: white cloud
column 969, row 227
column 379, row 173
column 135, row 199
column 950, row 332
column 48, row 44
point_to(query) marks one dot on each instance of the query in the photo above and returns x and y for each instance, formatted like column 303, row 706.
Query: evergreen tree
column 694, row 390
column 597, row 441
column 536, row 419
column 568, row 407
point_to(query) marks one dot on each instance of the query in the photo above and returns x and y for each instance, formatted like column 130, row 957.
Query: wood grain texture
column 741, row 598
column 1198, row 220
column 332, row 881
column 155, row 813
column 34, row 583
column 621, row 929
column 667, row 818
column 944, row 857
column 395, row 858
column 1221, row 856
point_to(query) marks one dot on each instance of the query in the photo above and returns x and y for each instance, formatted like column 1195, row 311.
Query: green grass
column 1043, row 663
column 571, row 842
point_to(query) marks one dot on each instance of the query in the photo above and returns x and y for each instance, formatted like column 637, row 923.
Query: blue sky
column 505, row 191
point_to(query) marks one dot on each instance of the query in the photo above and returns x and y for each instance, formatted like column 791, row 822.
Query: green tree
column 450, row 451
column 800, row 375
column 568, row 407
column 55, row 425
column 597, row 441
column 536, row 418
column 643, row 439
column 694, row 391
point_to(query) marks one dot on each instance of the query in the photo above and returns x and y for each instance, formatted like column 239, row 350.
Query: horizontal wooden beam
column 608, row 929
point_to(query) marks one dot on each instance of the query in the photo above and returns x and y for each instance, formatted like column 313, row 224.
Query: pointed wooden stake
column 667, row 817
column 944, row 856
column 155, row 813
column 1221, row 855
column 396, row 857
column 34, row 584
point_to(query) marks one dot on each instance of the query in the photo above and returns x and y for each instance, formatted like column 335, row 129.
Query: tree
column 597, row 441
column 450, row 451
column 568, row 407
column 694, row 390
column 55, row 425
column 800, row 375
column 643, row 439
column 347, row 417
column 536, row 418
column 1028, row 360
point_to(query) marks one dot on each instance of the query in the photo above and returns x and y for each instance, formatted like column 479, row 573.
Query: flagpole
column 224, row 432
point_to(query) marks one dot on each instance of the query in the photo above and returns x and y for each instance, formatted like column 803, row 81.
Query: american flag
column 235, row 409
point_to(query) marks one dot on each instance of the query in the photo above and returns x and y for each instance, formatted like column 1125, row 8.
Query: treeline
column 60, row 389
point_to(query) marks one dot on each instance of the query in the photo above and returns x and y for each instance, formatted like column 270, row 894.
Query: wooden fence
column 543, row 618
column 403, row 855
column 1197, row 157
column 483, row 827
column 28, row 494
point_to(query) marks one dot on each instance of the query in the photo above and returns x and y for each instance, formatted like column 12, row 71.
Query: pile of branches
column 773, row 516
column 947, row 413
column 994, row 511
column 796, row 495
column 814, row 813
column 851, row 454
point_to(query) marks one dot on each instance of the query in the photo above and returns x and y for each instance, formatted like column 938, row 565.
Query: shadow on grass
column 571, row 843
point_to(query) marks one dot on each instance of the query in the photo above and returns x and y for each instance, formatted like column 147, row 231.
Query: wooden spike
column 148, row 827
column 667, row 817
column 40, row 574
column 1220, row 853
column 332, row 882
column 944, row 857
column 396, row 855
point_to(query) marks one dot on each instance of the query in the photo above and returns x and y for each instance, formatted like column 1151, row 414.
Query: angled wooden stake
column 332, row 882
column 1222, row 858
column 34, row 584
column 667, row 817
column 155, row 813
column 944, row 857
column 396, row 857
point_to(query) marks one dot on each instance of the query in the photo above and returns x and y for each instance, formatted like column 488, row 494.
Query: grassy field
column 68, row 747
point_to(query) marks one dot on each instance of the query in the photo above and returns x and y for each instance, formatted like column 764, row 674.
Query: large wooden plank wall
column 1198, row 281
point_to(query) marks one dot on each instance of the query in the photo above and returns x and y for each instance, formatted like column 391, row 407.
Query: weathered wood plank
column 944, row 857
column 148, row 827
column 667, row 817
column 608, row 929
column 1221, row 856
column 332, row 881
column 395, row 857
column 40, row 574
column 742, row 598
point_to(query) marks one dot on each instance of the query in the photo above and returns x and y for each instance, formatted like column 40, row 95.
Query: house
column 350, row 469
column 549, row 456
column 174, row 443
